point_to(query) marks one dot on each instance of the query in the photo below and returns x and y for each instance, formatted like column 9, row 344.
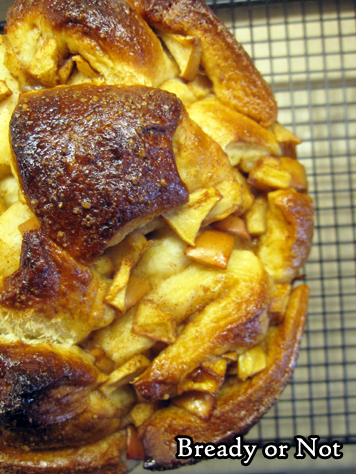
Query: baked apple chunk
column 153, row 219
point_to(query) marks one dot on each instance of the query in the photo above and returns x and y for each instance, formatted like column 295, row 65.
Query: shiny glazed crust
column 111, row 34
column 236, row 81
column 158, row 219
column 87, row 200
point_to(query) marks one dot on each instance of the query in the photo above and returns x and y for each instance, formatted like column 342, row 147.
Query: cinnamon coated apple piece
column 279, row 302
column 207, row 377
column 198, row 403
column 251, row 362
column 186, row 50
column 297, row 172
column 286, row 139
column 125, row 373
column 234, row 225
column 267, row 174
column 186, row 220
column 202, row 163
column 134, row 446
column 140, row 412
column 178, row 87
column 152, row 321
column 239, row 404
column 117, row 291
column 212, row 247
column 163, row 259
column 237, row 320
column 255, row 217
column 136, row 290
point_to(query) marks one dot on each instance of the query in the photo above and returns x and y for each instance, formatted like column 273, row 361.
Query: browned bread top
column 94, row 159
column 236, row 81
column 193, row 223
column 30, row 377
column 110, row 34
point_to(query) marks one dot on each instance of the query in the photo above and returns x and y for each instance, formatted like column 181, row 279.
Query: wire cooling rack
column 306, row 50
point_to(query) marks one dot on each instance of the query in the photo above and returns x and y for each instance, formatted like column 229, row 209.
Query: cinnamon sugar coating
column 94, row 159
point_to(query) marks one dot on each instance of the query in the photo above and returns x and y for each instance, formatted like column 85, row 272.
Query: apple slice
column 208, row 377
column 179, row 87
column 199, row 403
column 84, row 67
column 136, row 289
column 186, row 50
column 152, row 322
column 279, row 302
column 134, row 448
column 212, row 248
column 102, row 362
column 5, row 92
column 186, row 220
column 251, row 362
column 234, row 225
column 297, row 171
column 286, row 139
column 44, row 64
column 255, row 217
column 285, row 246
column 141, row 412
column 31, row 224
column 117, row 291
column 65, row 70
column 125, row 374
column 268, row 174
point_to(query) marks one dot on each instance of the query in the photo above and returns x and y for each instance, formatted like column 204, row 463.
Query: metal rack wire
column 306, row 50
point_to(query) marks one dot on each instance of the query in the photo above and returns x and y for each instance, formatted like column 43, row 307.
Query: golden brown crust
column 45, row 277
column 284, row 248
column 99, row 418
column 41, row 386
column 236, row 81
column 200, row 160
column 51, row 294
column 96, row 162
column 102, row 457
column 239, row 404
column 226, row 126
column 103, row 159
column 108, row 34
